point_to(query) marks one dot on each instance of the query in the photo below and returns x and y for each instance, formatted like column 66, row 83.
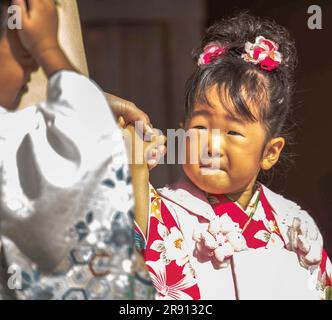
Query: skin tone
column 230, row 159
column 140, row 169
column 70, row 38
column 22, row 51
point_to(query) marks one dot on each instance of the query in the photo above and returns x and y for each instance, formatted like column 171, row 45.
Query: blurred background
column 140, row 50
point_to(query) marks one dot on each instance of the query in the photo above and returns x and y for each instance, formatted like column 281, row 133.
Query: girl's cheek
column 243, row 163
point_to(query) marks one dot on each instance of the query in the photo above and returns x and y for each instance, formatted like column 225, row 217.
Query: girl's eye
column 200, row 128
column 234, row 133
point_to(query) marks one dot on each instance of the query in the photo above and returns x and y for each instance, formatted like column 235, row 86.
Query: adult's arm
column 70, row 37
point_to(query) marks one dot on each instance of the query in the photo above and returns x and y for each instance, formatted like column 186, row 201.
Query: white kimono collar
column 187, row 195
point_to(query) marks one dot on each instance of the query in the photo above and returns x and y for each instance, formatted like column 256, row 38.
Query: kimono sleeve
column 166, row 253
column 5, row 293
column 49, row 176
column 154, row 212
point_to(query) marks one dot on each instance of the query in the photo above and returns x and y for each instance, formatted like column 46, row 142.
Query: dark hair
column 3, row 15
column 246, row 84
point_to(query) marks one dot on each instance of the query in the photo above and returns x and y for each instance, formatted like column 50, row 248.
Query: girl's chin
column 215, row 184
column 215, row 181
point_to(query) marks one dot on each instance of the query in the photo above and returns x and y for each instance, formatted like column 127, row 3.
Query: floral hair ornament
column 263, row 52
column 211, row 52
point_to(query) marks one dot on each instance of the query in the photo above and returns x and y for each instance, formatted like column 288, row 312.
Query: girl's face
column 229, row 150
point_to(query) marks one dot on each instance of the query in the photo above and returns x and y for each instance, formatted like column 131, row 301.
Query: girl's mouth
column 213, row 163
column 211, row 171
column 212, row 166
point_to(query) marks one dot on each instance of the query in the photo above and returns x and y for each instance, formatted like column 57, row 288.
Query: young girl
column 218, row 233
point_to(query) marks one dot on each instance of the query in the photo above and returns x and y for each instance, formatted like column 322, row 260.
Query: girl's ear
column 272, row 153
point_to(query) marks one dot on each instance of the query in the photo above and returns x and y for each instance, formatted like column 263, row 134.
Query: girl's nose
column 215, row 146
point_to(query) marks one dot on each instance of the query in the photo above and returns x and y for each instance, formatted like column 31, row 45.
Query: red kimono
column 188, row 257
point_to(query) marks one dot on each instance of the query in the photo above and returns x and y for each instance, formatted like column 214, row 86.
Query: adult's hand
column 128, row 113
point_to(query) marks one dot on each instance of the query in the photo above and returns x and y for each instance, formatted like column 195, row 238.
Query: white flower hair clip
column 263, row 52
column 211, row 52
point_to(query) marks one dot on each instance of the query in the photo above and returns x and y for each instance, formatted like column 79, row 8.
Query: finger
column 162, row 150
column 159, row 140
column 132, row 113
column 129, row 111
column 155, row 143
column 135, row 114
column 148, row 128
column 151, row 135
column 152, row 154
column 33, row 4
column 152, row 150
column 157, row 158
column 121, row 122
column 151, row 167
column 24, row 10
column 157, row 153
column 143, row 129
column 152, row 163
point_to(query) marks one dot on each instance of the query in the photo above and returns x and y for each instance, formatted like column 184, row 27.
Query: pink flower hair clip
column 263, row 52
column 211, row 52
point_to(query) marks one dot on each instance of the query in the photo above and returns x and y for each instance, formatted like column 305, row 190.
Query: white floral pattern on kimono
column 169, row 249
